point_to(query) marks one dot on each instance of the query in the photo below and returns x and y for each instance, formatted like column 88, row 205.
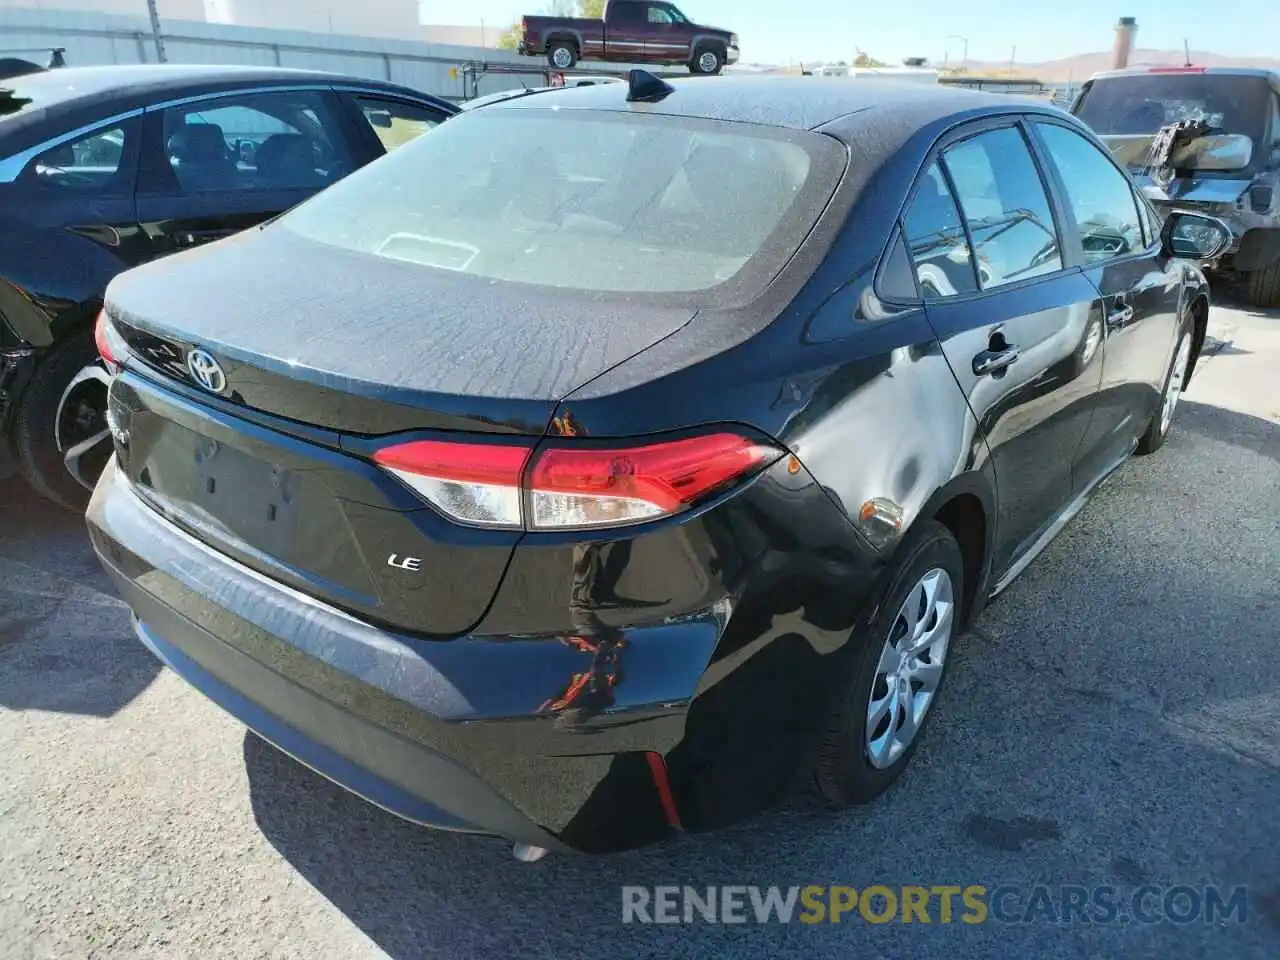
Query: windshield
column 1143, row 103
column 600, row 202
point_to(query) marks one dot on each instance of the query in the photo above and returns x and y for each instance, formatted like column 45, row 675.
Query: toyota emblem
column 206, row 371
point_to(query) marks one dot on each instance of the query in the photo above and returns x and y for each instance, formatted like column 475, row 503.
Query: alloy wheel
column 562, row 58
column 708, row 62
column 1177, row 380
column 80, row 428
column 910, row 667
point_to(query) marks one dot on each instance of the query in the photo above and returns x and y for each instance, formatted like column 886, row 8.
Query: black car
column 649, row 455
column 103, row 168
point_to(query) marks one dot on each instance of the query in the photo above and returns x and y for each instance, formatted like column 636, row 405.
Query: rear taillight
column 576, row 487
column 111, row 346
column 476, row 483
column 573, row 487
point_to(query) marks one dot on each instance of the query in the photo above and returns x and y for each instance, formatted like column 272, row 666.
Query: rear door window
column 936, row 240
column 1005, row 206
column 1099, row 196
column 283, row 140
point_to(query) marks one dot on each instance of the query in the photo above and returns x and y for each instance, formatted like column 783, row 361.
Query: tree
column 591, row 8
column 510, row 38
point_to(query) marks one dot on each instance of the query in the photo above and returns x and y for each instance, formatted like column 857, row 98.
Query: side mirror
column 1193, row 236
column 380, row 118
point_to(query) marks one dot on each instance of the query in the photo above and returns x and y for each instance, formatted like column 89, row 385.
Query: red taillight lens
column 476, row 483
column 572, row 487
column 111, row 346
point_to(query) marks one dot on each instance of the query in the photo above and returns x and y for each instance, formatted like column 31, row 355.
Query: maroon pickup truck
column 632, row 31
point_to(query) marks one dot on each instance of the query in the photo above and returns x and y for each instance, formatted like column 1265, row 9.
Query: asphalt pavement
column 1113, row 720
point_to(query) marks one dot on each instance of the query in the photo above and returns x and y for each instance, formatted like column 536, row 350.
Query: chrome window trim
column 11, row 167
column 241, row 92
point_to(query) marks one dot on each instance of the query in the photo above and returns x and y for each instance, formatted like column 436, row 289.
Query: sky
column 786, row 31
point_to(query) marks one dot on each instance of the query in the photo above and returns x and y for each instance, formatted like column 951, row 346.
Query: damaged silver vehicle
column 1205, row 139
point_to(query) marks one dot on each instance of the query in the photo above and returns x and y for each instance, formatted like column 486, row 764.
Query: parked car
column 632, row 31
column 517, row 501
column 103, row 168
column 569, row 83
column 1223, row 159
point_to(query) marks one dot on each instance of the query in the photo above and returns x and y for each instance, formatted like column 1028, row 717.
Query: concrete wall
column 93, row 38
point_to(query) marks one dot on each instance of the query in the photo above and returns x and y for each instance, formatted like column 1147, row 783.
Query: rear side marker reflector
column 572, row 487
column 111, row 346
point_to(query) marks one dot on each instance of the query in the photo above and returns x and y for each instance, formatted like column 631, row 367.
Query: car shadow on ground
column 66, row 643
column 1098, row 728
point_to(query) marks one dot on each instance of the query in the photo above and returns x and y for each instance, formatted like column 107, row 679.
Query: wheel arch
column 966, row 505
column 561, row 35
column 1199, row 310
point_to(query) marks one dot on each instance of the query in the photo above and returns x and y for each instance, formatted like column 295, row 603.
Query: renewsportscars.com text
column 941, row 904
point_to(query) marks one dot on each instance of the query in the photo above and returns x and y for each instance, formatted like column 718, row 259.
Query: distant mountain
column 1084, row 65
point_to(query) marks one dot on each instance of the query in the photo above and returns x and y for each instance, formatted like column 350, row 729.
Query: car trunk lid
column 368, row 345
column 273, row 469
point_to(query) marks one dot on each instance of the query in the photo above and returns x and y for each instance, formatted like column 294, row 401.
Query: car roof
column 68, row 97
column 796, row 103
column 89, row 82
column 1272, row 75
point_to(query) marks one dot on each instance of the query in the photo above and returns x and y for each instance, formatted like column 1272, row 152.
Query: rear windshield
column 1143, row 103
column 612, row 203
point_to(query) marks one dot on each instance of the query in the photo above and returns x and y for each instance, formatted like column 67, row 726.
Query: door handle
column 1120, row 314
column 190, row 238
column 995, row 361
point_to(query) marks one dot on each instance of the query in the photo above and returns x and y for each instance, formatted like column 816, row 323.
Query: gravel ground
column 1113, row 720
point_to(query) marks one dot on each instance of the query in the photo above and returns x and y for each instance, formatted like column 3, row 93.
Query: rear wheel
column 707, row 59
column 562, row 54
column 895, row 665
column 1264, row 286
column 61, row 429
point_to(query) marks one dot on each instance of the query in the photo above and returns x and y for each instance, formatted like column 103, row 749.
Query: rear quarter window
column 587, row 201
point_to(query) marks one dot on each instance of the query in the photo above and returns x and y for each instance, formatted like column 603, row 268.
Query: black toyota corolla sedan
column 648, row 457
column 103, row 168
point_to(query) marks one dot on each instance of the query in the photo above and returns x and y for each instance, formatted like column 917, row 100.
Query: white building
column 388, row 19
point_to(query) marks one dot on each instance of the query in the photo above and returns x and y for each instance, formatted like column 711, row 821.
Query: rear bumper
column 450, row 734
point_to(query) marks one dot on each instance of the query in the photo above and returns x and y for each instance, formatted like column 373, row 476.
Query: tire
column 45, row 426
column 844, row 772
column 1159, row 428
column 566, row 51
column 707, row 59
column 1264, row 286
